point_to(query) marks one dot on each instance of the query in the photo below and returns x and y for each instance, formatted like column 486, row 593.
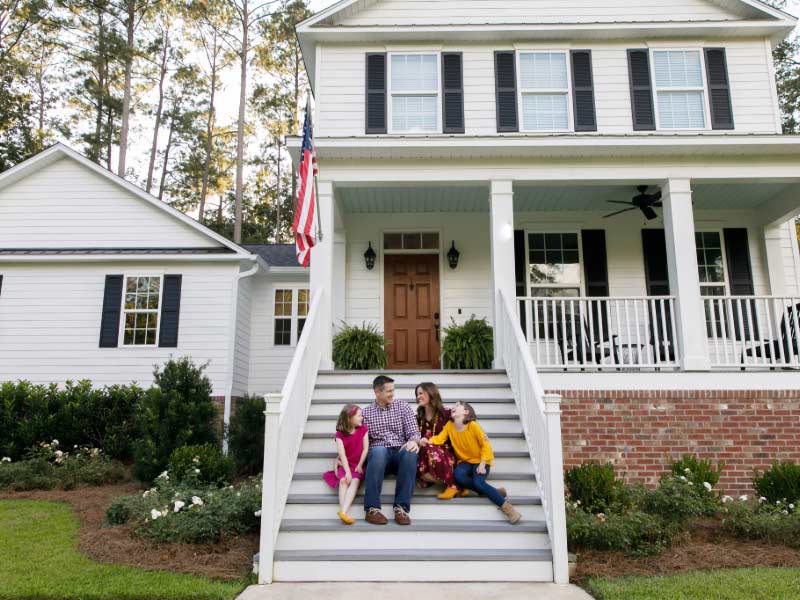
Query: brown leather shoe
column 375, row 517
column 401, row 517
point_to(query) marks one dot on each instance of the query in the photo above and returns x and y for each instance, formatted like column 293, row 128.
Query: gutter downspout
column 226, row 415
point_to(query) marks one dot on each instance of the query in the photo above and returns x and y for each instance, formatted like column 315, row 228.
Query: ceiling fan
column 643, row 201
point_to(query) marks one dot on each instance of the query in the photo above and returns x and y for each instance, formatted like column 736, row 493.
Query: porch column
column 684, row 281
column 773, row 244
column 501, row 211
column 321, row 277
column 339, row 275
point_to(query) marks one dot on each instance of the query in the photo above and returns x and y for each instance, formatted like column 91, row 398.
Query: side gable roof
column 60, row 151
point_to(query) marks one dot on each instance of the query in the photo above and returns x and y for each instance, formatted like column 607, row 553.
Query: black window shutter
column 506, row 91
column 452, row 92
column 654, row 245
column 376, row 92
column 740, row 277
column 595, row 266
column 1, row 284
column 519, row 274
column 719, row 89
column 641, row 91
column 170, row 311
column 583, row 91
column 112, row 305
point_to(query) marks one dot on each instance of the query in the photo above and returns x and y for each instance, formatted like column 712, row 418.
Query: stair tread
column 388, row 499
column 498, row 476
column 347, row 386
column 450, row 400
column 456, row 554
column 504, row 417
column 331, row 454
column 417, row 525
column 414, row 371
column 498, row 435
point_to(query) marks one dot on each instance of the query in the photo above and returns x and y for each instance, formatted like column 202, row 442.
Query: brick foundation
column 638, row 430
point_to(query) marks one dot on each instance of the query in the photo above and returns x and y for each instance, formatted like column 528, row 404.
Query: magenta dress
column 353, row 447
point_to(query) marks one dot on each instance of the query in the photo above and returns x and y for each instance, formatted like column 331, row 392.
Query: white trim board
column 649, row 380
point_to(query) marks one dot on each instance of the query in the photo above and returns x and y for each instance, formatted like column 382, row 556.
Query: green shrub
column 771, row 522
column 674, row 501
column 27, row 414
column 634, row 532
column 359, row 348
column 593, row 486
column 203, row 462
column 177, row 411
column 24, row 475
column 246, row 435
column 781, row 482
column 468, row 346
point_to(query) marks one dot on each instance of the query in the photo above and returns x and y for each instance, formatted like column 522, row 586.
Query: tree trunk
column 278, row 196
column 166, row 159
column 130, row 25
column 239, row 193
column 97, row 142
column 154, row 146
column 209, row 132
column 294, row 116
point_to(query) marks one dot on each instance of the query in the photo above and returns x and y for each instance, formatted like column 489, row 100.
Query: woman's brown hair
column 471, row 416
column 435, row 400
column 343, row 424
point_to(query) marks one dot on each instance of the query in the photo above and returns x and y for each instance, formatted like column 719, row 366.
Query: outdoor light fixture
column 452, row 256
column 369, row 257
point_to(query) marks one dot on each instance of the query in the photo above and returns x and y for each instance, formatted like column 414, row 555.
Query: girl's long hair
column 471, row 416
column 343, row 423
column 435, row 400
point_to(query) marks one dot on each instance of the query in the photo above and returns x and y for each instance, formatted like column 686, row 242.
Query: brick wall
column 637, row 430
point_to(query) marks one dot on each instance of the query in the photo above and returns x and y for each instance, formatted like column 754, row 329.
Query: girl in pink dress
column 352, row 446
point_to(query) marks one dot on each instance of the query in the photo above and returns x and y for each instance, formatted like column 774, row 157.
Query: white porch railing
column 600, row 332
column 753, row 331
column 286, row 415
column 540, row 414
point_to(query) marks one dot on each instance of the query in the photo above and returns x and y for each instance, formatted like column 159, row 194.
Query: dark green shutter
column 376, row 92
column 170, row 311
column 740, row 278
column 583, row 91
column 719, row 89
column 505, row 91
column 595, row 274
column 519, row 274
column 654, row 246
column 112, row 305
column 452, row 93
column 641, row 90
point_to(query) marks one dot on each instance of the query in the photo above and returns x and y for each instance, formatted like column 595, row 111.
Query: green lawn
column 39, row 559
column 734, row 584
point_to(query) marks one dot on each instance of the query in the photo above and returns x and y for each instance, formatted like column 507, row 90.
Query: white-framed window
column 554, row 264
column 544, row 91
column 711, row 263
column 410, row 242
column 290, row 313
column 680, row 89
column 141, row 307
column 414, row 91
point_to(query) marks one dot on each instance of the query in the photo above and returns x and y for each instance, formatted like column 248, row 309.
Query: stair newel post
column 555, row 493
column 269, row 492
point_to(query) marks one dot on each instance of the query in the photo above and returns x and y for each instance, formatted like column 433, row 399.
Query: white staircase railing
column 286, row 415
column 540, row 414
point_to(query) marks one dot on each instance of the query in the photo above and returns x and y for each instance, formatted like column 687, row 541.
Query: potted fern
column 468, row 346
column 359, row 348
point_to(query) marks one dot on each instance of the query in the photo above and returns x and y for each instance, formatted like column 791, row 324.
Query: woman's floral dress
column 436, row 460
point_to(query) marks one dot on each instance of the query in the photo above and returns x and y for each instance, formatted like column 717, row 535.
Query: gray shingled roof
column 275, row 255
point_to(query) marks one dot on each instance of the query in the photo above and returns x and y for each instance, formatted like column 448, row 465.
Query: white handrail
column 285, row 418
column 540, row 414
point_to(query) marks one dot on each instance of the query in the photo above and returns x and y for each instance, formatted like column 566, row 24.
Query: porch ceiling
column 414, row 199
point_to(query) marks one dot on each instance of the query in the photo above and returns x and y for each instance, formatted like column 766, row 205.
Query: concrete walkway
column 405, row 591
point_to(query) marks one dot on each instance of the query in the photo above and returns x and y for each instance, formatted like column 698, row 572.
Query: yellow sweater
column 470, row 445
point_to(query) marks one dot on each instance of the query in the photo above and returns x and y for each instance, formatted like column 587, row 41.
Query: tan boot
column 511, row 512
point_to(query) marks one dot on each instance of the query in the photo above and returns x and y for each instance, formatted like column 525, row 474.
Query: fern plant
column 359, row 348
column 468, row 346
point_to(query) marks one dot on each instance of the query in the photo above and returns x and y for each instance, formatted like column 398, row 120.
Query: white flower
column 257, row 513
column 155, row 514
column 164, row 475
column 196, row 460
column 6, row 459
column 601, row 517
column 777, row 502
column 197, row 501
column 238, row 494
column 690, row 483
column 179, row 505
column 59, row 453
column 762, row 499
column 683, row 478
column 707, row 485
column 726, row 499
column 687, row 470
column 743, row 497
column 197, row 471
column 791, row 506
column 55, row 442
column 146, row 493
column 784, row 512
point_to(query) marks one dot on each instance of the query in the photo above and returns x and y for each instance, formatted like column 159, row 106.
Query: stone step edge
column 502, row 417
column 449, row 400
column 494, row 436
column 387, row 500
column 417, row 526
column 415, row 371
column 332, row 455
column 350, row 386
column 459, row 554
column 499, row 476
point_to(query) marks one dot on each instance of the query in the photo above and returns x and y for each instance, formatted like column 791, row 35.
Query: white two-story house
column 607, row 184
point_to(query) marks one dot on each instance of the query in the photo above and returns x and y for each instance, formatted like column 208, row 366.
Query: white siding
column 425, row 12
column 50, row 322
column 269, row 363
column 241, row 359
column 791, row 258
column 341, row 95
column 67, row 205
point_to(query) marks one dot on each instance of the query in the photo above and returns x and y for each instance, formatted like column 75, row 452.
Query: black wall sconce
column 452, row 256
column 369, row 257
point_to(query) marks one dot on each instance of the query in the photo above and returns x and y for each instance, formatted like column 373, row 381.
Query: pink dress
column 353, row 447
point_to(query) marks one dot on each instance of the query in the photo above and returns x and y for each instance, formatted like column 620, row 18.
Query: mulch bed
column 231, row 559
column 707, row 547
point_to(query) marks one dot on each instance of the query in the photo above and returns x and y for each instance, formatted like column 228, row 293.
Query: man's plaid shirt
column 391, row 426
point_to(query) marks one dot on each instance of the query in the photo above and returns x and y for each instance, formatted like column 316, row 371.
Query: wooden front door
column 411, row 310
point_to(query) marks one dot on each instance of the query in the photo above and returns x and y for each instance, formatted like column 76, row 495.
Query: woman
column 435, row 463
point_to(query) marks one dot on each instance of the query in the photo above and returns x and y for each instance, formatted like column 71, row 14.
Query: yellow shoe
column 346, row 519
column 463, row 493
column 448, row 494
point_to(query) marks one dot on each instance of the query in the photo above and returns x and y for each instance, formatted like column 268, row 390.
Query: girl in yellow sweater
column 474, row 457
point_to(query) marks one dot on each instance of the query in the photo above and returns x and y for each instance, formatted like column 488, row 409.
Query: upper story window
column 680, row 89
column 414, row 93
column 142, row 301
column 544, row 91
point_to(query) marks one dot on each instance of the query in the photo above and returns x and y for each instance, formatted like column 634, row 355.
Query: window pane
column 152, row 318
column 152, row 301
column 554, row 264
column 414, row 72
column 544, row 112
column 139, row 337
column 392, row 241
column 414, row 113
column 283, row 303
column 543, row 70
column 155, row 284
column 678, row 68
column 536, row 241
column 412, row 241
column 130, row 301
column 430, row 241
column 302, row 302
column 151, row 336
column 128, row 338
column 681, row 110
column 300, row 324
column 130, row 321
column 130, row 285
column 283, row 332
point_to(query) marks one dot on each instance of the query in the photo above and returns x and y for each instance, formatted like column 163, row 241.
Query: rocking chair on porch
column 780, row 351
column 577, row 346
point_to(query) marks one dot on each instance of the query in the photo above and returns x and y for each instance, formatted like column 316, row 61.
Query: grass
column 38, row 546
column 734, row 584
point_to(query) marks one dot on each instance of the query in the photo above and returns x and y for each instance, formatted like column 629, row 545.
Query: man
column 393, row 447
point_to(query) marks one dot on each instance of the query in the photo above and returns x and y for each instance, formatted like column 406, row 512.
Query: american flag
column 304, row 225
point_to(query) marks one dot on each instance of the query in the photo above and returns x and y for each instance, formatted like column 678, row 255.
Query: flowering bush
column 593, row 486
column 635, row 532
column 780, row 482
column 203, row 463
column 188, row 511
column 776, row 522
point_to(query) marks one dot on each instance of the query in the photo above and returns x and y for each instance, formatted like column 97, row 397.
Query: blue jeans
column 395, row 461
column 466, row 477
